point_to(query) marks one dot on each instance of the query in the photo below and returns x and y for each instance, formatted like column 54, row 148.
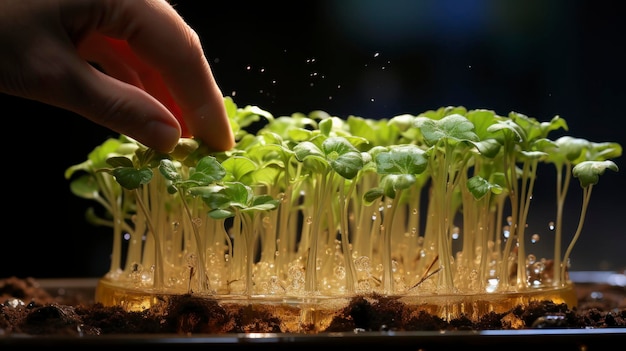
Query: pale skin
column 133, row 66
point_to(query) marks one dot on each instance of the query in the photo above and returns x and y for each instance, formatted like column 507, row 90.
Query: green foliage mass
column 316, row 204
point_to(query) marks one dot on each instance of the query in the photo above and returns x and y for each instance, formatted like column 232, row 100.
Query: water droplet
column 596, row 295
column 295, row 272
column 534, row 238
column 506, row 231
column 456, row 232
column 267, row 222
column 274, row 286
column 538, row 268
column 394, row 265
column 339, row 272
column 551, row 225
column 362, row 264
column 364, row 285
column 473, row 275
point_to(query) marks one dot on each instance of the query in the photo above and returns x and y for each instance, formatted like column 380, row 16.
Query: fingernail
column 163, row 137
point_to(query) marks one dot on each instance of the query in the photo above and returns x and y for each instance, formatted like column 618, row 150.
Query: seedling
column 318, row 206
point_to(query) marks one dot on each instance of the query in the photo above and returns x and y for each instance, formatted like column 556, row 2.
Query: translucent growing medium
column 309, row 211
column 315, row 314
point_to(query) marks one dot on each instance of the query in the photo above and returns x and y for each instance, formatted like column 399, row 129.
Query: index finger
column 157, row 34
column 118, row 60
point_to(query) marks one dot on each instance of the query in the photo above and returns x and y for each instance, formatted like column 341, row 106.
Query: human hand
column 154, row 83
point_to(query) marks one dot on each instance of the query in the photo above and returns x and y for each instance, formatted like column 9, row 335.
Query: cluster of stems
column 316, row 205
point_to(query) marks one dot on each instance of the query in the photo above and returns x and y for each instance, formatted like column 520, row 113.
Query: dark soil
column 28, row 309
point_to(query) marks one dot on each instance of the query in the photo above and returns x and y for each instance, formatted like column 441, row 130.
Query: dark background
column 373, row 59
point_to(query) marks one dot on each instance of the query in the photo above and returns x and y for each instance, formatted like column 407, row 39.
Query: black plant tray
column 554, row 339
